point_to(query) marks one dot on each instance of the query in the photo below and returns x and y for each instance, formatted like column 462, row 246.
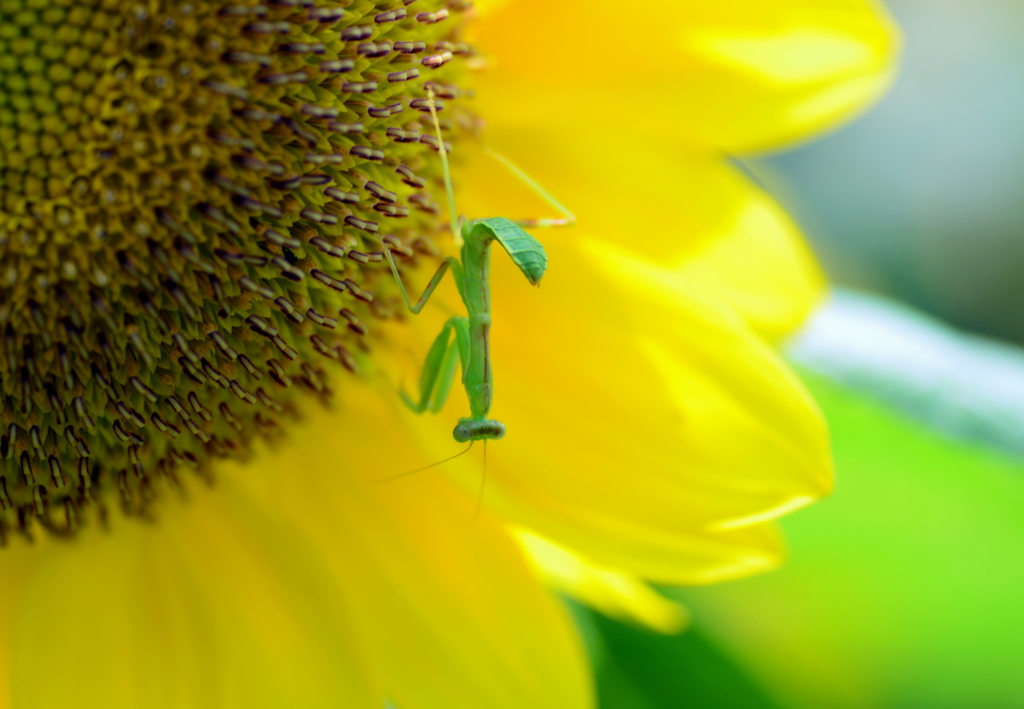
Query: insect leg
column 439, row 367
column 567, row 218
column 431, row 287
column 456, row 225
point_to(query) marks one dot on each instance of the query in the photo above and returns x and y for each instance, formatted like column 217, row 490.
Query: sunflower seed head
column 192, row 198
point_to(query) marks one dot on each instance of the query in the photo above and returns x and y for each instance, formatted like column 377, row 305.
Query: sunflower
column 203, row 347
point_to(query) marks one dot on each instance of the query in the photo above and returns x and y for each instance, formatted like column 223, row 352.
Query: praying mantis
column 470, row 346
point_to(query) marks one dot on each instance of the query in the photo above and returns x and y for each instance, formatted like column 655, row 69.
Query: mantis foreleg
column 567, row 218
column 449, row 262
column 439, row 367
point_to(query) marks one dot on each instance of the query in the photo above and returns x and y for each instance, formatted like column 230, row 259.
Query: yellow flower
column 652, row 433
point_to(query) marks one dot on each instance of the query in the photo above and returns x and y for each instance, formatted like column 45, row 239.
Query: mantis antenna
column 425, row 467
column 567, row 219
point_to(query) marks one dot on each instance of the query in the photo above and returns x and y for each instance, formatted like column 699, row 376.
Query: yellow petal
column 686, row 210
column 760, row 267
column 484, row 7
column 214, row 606
column 454, row 617
column 15, row 564
column 785, row 71
column 736, row 388
column 615, row 593
column 736, row 74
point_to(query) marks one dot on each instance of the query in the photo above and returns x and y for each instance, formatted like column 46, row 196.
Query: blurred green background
column 905, row 589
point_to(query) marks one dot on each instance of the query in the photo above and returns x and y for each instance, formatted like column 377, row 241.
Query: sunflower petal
column 771, row 74
column 454, row 617
column 486, row 6
column 213, row 607
column 15, row 565
column 762, row 74
column 690, row 211
column 616, row 594
column 761, row 268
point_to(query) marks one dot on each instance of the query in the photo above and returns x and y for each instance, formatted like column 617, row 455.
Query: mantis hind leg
column 567, row 218
column 439, row 368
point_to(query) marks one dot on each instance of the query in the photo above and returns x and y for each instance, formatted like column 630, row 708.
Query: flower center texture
column 193, row 199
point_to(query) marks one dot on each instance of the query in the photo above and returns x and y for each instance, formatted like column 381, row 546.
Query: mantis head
column 476, row 430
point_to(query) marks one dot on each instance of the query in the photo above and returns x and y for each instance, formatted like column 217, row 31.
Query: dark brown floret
column 192, row 199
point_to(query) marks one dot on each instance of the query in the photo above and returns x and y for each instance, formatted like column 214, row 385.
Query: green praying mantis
column 470, row 346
